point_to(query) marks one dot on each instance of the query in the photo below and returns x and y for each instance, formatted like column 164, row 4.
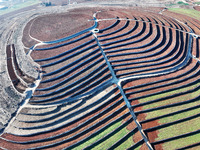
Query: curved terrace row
column 128, row 80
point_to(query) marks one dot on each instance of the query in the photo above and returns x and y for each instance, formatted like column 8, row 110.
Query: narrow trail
column 117, row 82
column 29, row 92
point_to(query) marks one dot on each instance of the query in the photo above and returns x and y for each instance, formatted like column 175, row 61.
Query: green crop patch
column 162, row 112
column 172, row 100
column 109, row 142
column 179, row 143
column 99, row 77
column 182, row 3
column 198, row 3
column 19, row 6
column 179, row 116
column 189, row 12
column 178, row 129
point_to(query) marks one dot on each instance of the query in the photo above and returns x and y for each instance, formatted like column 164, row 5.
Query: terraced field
column 112, row 78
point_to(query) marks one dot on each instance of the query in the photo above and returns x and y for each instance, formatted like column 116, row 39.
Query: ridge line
column 118, row 83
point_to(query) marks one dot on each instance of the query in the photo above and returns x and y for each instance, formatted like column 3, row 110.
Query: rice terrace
column 100, row 76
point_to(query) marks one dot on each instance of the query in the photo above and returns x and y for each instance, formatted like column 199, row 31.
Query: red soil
column 149, row 58
column 151, row 79
column 26, row 39
column 144, row 147
column 199, row 46
column 191, row 22
column 151, row 135
column 45, row 28
column 75, row 79
column 8, row 136
column 53, row 52
column 13, row 70
column 56, row 26
column 197, row 8
column 137, row 137
column 18, row 70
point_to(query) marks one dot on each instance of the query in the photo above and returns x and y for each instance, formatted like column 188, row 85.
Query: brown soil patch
column 26, row 39
column 151, row 135
column 51, row 27
column 64, row 129
column 197, row 8
column 152, row 79
column 56, row 26
column 191, row 22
